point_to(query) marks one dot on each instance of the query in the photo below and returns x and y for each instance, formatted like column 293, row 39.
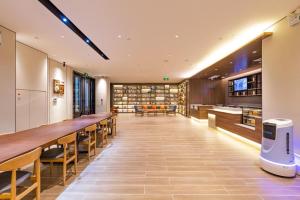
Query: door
column 22, row 110
column 37, row 109
column 83, row 95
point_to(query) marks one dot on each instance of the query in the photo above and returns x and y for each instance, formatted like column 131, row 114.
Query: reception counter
column 200, row 111
column 231, row 119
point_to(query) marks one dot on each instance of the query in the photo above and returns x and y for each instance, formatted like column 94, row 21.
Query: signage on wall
column 166, row 78
column 58, row 87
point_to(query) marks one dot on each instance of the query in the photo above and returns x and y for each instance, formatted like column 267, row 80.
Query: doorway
column 83, row 95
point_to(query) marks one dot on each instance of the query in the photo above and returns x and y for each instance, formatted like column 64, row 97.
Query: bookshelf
column 254, row 86
column 182, row 98
column 251, row 115
column 126, row 96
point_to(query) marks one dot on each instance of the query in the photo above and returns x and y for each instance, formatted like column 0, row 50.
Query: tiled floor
column 172, row 158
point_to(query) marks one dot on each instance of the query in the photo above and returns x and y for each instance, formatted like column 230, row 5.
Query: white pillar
column 102, row 94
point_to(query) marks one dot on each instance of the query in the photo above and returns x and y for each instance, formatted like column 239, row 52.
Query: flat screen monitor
column 240, row 84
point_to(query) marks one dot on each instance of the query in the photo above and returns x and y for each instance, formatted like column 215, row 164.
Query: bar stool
column 87, row 139
column 11, row 178
column 65, row 154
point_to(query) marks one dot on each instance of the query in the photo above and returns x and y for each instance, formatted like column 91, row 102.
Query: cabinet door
column 22, row 110
column 37, row 109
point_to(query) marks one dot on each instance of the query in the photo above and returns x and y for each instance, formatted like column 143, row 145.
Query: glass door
column 83, row 95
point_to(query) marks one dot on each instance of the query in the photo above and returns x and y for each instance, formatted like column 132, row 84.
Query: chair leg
column 13, row 189
column 89, row 151
column 64, row 173
column 37, row 168
column 75, row 161
column 51, row 168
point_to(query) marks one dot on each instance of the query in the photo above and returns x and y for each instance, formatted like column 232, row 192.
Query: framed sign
column 58, row 87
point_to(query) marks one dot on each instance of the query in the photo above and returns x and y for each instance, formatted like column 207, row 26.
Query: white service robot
column 277, row 152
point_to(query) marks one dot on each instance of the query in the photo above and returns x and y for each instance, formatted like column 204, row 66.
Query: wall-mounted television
column 240, row 84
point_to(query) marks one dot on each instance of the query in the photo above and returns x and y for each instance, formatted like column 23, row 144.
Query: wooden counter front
column 233, row 122
column 200, row 112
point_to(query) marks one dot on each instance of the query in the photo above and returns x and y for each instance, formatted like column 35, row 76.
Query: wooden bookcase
column 254, row 86
column 182, row 98
column 126, row 96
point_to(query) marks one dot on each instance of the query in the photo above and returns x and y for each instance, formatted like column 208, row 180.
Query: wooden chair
column 65, row 154
column 113, row 125
column 87, row 140
column 103, row 132
column 12, row 177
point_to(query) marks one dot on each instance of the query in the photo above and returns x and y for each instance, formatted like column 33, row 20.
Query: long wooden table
column 12, row 145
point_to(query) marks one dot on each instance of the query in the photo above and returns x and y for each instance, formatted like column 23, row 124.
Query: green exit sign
column 166, row 78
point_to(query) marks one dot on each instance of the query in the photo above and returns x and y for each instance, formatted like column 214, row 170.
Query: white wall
column 102, row 95
column 7, row 80
column 281, row 76
column 60, row 109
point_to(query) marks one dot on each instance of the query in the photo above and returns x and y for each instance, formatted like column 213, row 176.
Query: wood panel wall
column 208, row 92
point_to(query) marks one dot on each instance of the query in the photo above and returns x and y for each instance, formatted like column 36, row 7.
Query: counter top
column 234, row 112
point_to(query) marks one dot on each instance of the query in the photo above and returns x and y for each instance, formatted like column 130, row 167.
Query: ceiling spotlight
column 176, row 36
column 62, row 36
column 254, row 52
column 64, row 19
column 87, row 41
column 230, row 62
column 119, row 36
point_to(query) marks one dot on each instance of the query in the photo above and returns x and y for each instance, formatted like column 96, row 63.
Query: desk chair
column 11, row 178
column 65, row 154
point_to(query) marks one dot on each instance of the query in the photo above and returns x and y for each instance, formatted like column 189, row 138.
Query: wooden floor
column 172, row 158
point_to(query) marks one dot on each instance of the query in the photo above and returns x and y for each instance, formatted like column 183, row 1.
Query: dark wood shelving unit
column 254, row 86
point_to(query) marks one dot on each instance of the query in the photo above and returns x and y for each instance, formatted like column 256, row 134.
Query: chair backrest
column 173, row 107
column 91, row 128
column 67, row 139
column 103, row 122
column 21, row 161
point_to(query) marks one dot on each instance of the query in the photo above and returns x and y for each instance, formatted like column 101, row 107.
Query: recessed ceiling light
column 176, row 36
column 254, row 52
column 87, row 41
column 129, row 55
column 64, row 19
column 231, row 62
column 119, row 36
column 62, row 36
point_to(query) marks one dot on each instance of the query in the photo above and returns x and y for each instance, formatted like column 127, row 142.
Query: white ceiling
column 148, row 48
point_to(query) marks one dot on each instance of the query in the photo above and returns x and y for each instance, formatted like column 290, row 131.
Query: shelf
column 143, row 94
